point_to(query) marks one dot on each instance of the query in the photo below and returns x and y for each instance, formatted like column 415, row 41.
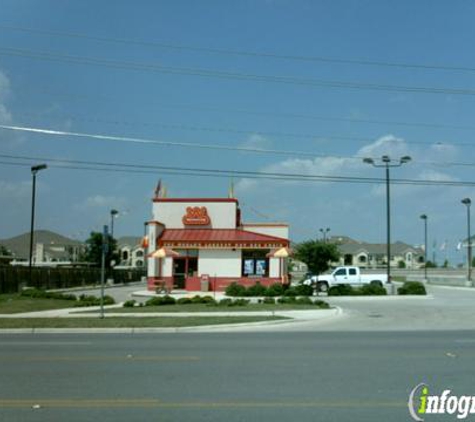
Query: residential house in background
column 131, row 253
column 49, row 249
column 374, row 255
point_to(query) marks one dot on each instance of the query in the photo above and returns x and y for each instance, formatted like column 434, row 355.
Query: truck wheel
column 376, row 283
column 322, row 287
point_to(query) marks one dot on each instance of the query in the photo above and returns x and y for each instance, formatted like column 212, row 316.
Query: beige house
column 374, row 255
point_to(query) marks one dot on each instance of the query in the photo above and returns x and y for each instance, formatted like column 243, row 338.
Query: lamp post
column 387, row 163
column 424, row 217
column 34, row 170
column 324, row 233
column 114, row 213
column 468, row 202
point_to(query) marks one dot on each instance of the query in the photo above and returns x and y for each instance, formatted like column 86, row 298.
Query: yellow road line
column 101, row 358
column 154, row 403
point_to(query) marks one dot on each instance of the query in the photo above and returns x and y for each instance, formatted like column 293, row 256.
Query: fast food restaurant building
column 202, row 244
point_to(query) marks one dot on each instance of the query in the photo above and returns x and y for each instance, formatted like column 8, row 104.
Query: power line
column 187, row 171
column 135, row 140
column 243, row 53
column 194, row 128
column 211, row 73
column 263, row 113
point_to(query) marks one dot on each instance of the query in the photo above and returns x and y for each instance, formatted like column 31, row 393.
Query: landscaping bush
column 43, row 294
column 268, row 301
column 129, row 303
column 235, row 302
column 304, row 290
column 286, row 300
column 256, row 290
column 85, row 300
column 321, row 304
column 276, row 289
column 160, row 301
column 184, row 301
column 207, row 300
column 412, row 288
column 291, row 291
column 235, row 289
column 240, row 302
column 341, row 290
column 373, row 290
column 304, row 300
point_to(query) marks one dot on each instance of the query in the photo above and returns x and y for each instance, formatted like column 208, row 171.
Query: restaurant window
column 255, row 263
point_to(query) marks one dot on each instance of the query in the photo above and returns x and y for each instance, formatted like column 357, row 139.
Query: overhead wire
column 212, row 73
column 247, row 111
column 246, row 174
column 194, row 128
column 136, row 140
column 234, row 52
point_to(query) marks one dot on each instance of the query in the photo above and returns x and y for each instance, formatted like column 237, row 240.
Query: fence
column 12, row 279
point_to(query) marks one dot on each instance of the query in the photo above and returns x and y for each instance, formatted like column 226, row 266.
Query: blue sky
column 311, row 43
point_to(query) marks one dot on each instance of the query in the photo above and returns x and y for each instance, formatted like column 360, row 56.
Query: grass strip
column 14, row 304
column 127, row 322
column 212, row 308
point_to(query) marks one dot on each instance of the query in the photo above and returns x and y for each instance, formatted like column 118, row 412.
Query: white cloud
column 4, row 87
column 386, row 145
column 102, row 201
column 256, row 141
column 15, row 190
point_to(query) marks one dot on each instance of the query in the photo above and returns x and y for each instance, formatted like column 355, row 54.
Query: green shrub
column 373, row 290
column 276, row 289
column 268, row 301
column 321, row 304
column 235, row 302
column 184, row 301
column 85, row 300
column 207, row 300
column 129, row 303
column 235, row 290
column 286, row 300
column 305, row 300
column 256, row 290
column 240, row 302
column 412, row 288
column 304, row 290
column 291, row 291
column 160, row 301
column 341, row 290
column 43, row 294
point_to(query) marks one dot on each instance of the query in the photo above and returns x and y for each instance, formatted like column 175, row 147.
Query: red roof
column 218, row 235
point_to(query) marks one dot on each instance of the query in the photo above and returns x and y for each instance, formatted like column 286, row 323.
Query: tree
column 4, row 251
column 317, row 255
column 94, row 249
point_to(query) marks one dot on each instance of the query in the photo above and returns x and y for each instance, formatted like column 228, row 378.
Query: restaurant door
column 184, row 267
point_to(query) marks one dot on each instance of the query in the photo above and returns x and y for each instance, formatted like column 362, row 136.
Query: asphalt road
column 326, row 376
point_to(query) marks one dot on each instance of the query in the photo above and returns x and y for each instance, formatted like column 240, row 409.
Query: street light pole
column 324, row 233
column 424, row 217
column 468, row 202
column 113, row 215
column 34, row 170
column 387, row 163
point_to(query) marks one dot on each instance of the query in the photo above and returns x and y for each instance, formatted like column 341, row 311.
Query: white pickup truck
column 345, row 275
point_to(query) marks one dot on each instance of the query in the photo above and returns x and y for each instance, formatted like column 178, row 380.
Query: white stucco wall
column 222, row 214
column 274, row 267
column 281, row 231
column 224, row 263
